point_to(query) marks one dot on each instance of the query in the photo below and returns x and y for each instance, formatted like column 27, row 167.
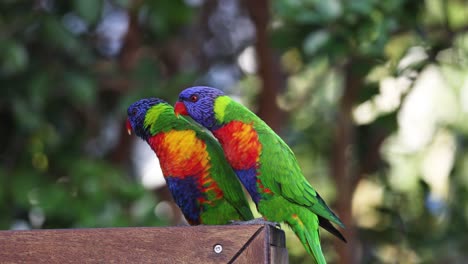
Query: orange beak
column 180, row 109
column 129, row 127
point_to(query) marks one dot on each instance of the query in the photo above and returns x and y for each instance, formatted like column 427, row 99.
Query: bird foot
column 256, row 221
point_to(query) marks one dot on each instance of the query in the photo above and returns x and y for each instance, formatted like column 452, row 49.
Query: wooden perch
column 198, row 244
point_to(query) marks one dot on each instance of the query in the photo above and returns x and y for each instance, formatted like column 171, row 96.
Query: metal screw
column 218, row 248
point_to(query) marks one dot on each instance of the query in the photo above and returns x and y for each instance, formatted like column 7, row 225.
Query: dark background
column 371, row 95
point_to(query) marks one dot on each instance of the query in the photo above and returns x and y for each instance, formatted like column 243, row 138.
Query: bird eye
column 194, row 98
column 134, row 111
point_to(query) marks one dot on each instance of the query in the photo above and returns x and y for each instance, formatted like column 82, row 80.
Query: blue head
column 136, row 116
column 198, row 103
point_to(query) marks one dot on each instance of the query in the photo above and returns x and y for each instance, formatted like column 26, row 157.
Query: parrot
column 264, row 164
column 197, row 174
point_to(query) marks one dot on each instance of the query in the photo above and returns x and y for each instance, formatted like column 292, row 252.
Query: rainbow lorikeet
column 264, row 163
column 201, row 181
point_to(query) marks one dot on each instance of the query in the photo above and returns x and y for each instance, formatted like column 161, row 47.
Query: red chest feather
column 180, row 153
column 240, row 143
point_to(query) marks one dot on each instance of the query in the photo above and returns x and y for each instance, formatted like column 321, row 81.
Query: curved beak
column 180, row 109
column 128, row 125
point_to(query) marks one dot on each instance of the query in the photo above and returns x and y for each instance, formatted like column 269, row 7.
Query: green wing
column 224, row 176
column 293, row 186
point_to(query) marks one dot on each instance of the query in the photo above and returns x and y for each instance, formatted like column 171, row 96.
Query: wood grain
column 240, row 243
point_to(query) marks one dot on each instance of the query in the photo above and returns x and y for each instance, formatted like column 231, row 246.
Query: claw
column 256, row 221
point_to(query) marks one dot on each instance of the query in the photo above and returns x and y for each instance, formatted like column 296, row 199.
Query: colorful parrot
column 264, row 164
column 201, row 181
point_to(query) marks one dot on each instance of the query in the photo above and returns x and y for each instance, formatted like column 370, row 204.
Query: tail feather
column 308, row 233
column 325, row 224
column 313, row 242
column 330, row 215
column 245, row 212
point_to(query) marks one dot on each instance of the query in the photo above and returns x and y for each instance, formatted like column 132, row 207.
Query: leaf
column 55, row 33
column 82, row 88
column 13, row 58
column 89, row 10
column 315, row 41
column 26, row 118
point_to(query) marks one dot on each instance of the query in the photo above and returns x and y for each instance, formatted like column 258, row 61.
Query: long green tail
column 307, row 230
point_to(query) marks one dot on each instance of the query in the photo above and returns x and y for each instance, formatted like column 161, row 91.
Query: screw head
column 217, row 248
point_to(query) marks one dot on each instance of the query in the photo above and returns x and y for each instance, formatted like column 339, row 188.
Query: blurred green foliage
column 56, row 170
column 406, row 206
column 64, row 160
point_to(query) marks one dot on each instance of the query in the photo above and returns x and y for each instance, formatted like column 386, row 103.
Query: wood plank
column 278, row 252
column 279, row 255
column 117, row 245
column 267, row 245
column 254, row 250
